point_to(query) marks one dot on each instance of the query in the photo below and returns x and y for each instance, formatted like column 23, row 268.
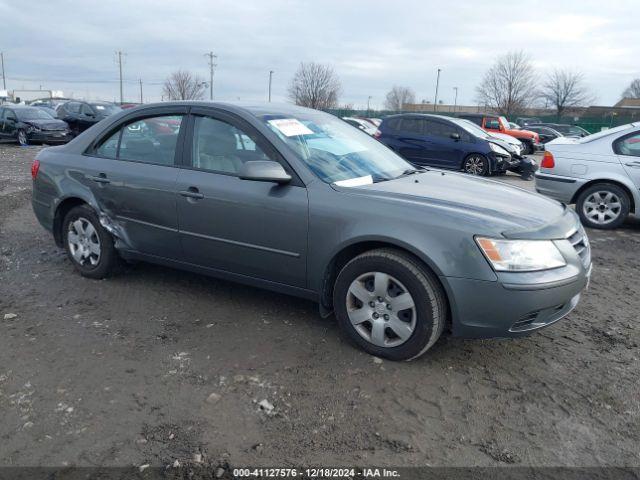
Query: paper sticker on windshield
column 99, row 107
column 290, row 127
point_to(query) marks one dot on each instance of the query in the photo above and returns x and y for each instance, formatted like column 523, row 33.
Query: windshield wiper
column 409, row 171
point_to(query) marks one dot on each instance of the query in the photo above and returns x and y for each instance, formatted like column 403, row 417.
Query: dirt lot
column 157, row 365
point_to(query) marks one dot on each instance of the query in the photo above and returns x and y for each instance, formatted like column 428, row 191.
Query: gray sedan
column 297, row 201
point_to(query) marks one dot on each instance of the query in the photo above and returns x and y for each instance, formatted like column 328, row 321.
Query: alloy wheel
column 474, row 165
column 381, row 309
column 84, row 242
column 602, row 207
column 22, row 137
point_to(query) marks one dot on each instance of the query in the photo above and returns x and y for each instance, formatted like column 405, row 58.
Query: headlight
column 498, row 149
column 33, row 128
column 521, row 255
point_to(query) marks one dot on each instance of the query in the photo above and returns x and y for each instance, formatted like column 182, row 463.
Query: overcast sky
column 372, row 45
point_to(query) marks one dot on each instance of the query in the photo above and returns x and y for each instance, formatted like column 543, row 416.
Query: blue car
column 444, row 142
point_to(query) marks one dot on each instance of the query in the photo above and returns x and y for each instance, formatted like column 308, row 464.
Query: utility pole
column 270, row 78
column 140, row 90
column 455, row 101
column 212, row 65
column 119, row 54
column 4, row 80
column 369, row 102
column 435, row 101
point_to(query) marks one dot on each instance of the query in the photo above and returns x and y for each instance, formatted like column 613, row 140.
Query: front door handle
column 192, row 192
column 100, row 178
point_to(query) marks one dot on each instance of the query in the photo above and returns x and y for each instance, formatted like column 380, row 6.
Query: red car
column 498, row 124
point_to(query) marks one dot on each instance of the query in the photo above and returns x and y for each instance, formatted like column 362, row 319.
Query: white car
column 599, row 173
column 513, row 141
column 361, row 124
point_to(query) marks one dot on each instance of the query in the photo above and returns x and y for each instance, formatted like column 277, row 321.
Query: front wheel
column 476, row 164
column 22, row 138
column 389, row 304
column 527, row 147
column 89, row 246
column 603, row 206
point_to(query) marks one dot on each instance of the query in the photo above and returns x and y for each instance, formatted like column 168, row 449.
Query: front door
column 252, row 228
column 132, row 174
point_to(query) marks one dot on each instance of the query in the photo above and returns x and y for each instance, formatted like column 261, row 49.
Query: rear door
column 2, row 114
column 132, row 173
column 412, row 142
column 628, row 150
column 444, row 151
column 10, row 127
column 251, row 228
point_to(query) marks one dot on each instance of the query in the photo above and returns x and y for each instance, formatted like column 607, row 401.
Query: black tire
column 428, row 296
column 594, row 190
column 471, row 163
column 108, row 259
column 22, row 138
column 527, row 147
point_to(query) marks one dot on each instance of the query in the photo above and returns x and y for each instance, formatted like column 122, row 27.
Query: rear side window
column 629, row 145
column 392, row 125
column 438, row 129
column 72, row 107
column 492, row 123
column 412, row 125
column 148, row 140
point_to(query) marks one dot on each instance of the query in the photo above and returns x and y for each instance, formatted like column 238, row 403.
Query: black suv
column 82, row 115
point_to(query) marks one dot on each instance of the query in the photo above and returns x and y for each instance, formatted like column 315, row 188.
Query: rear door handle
column 192, row 192
column 100, row 178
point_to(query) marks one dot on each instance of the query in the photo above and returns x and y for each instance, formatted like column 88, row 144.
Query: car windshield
column 335, row 151
column 105, row 108
column 470, row 127
column 32, row 114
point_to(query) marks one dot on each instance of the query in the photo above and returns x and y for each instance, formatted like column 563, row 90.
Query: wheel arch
column 618, row 183
column 61, row 212
column 347, row 252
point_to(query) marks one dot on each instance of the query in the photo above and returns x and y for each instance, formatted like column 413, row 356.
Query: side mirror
column 455, row 136
column 264, row 171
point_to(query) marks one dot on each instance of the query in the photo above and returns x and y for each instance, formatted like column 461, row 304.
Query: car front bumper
column 517, row 304
column 49, row 136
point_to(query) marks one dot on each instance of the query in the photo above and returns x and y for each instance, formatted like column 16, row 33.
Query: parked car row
column 50, row 120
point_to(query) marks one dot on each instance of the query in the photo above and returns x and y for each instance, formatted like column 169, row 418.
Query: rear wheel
column 476, row 164
column 389, row 305
column 89, row 246
column 603, row 206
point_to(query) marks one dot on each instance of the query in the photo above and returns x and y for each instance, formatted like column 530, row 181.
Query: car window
column 492, row 123
column 476, row 120
column 150, row 140
column 2, row 113
column 109, row 147
column 72, row 107
column 392, row 125
column 221, row 147
column 86, row 109
column 629, row 145
column 412, row 125
column 439, row 129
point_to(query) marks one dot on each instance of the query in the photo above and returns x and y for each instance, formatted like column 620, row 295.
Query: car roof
column 418, row 115
column 252, row 108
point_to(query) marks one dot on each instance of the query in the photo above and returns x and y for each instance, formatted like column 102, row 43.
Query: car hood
column 492, row 207
column 51, row 124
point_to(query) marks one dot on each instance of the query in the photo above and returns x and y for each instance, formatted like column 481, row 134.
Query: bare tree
column 182, row 85
column 565, row 89
column 315, row 86
column 633, row 90
column 398, row 97
column 509, row 85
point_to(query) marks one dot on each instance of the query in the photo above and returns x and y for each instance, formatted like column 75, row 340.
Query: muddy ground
column 157, row 365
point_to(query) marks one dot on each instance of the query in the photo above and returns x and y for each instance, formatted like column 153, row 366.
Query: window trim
column 245, row 127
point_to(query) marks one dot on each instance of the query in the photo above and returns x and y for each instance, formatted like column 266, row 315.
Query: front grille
column 580, row 243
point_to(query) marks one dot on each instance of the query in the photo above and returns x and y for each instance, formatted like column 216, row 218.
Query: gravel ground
column 157, row 365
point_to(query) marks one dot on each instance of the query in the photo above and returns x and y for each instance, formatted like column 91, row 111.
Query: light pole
column 212, row 65
column 4, row 80
column 435, row 101
column 270, row 78
column 369, row 103
column 455, row 101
